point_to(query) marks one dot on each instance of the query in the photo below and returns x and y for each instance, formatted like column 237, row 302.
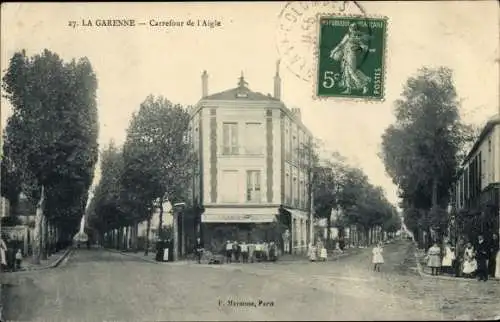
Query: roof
column 240, row 93
column 492, row 122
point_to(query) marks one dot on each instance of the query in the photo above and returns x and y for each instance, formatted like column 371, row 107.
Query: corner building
column 252, row 176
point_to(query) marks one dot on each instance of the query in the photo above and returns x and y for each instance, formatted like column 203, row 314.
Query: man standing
column 198, row 249
column 229, row 251
column 494, row 246
column 482, row 254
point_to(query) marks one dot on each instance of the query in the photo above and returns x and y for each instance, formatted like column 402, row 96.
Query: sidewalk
column 52, row 261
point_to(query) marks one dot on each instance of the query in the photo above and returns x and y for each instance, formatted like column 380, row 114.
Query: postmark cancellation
column 351, row 54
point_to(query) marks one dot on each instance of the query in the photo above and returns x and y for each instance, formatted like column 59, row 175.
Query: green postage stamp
column 351, row 57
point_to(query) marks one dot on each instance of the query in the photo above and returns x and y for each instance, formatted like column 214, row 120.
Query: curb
column 55, row 264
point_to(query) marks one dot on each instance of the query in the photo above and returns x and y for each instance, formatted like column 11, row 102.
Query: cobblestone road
column 97, row 285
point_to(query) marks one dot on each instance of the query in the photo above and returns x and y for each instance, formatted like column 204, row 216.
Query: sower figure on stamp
column 346, row 52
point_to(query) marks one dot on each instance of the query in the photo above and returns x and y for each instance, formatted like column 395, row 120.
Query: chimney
column 277, row 82
column 296, row 113
column 204, row 84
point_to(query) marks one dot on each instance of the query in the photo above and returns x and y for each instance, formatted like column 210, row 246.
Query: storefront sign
column 241, row 218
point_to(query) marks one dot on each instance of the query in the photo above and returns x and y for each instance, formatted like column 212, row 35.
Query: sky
column 131, row 63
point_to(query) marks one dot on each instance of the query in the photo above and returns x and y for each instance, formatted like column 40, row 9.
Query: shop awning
column 214, row 215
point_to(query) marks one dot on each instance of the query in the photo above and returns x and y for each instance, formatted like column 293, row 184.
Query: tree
column 423, row 149
column 11, row 180
column 52, row 136
column 158, row 156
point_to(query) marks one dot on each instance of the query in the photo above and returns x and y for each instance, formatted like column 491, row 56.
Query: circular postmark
column 297, row 32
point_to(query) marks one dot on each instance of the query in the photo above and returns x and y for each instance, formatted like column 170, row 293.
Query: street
column 96, row 285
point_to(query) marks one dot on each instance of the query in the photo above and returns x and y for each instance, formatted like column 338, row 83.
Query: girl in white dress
column 448, row 258
column 377, row 258
column 323, row 253
column 470, row 264
column 312, row 252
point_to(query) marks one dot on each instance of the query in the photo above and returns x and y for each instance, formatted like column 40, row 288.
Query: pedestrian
column 377, row 258
column 312, row 252
column 229, row 251
column 448, row 258
column 273, row 256
column 244, row 252
column 19, row 259
column 459, row 257
column 323, row 253
column 236, row 251
column 469, row 264
column 342, row 244
column 433, row 259
column 492, row 263
column 482, row 256
column 199, row 249
column 3, row 253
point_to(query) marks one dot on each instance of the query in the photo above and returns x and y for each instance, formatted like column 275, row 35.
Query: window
column 254, row 138
column 229, row 186
column 253, row 186
column 230, row 138
column 287, row 140
column 287, row 189
column 294, row 147
column 301, row 194
column 294, row 192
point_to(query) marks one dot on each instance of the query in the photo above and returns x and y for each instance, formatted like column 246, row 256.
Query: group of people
column 245, row 252
column 9, row 260
column 465, row 259
column 317, row 252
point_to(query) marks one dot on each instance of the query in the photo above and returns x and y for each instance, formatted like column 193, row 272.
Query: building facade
column 252, row 170
column 477, row 190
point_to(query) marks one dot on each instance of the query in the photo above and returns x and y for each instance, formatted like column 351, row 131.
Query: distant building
column 250, row 165
column 477, row 189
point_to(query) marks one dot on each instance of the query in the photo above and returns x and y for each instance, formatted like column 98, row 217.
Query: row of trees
column 50, row 141
column 155, row 164
column 423, row 150
column 346, row 191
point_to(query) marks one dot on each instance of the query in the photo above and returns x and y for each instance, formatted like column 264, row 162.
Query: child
column 312, row 252
column 470, row 264
column 434, row 259
column 377, row 258
column 19, row 258
column 322, row 253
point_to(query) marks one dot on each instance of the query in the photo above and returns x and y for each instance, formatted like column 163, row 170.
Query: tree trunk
column 160, row 221
column 328, row 230
column 434, row 192
column 148, row 228
column 134, row 237
column 37, row 238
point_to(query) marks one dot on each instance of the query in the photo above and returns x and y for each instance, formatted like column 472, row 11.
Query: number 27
column 329, row 79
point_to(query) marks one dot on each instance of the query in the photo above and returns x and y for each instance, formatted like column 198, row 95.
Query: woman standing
column 434, row 261
column 448, row 258
column 3, row 253
column 377, row 258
